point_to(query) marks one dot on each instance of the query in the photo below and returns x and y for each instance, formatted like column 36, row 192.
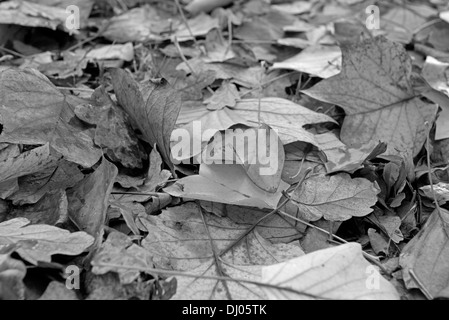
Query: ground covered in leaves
column 106, row 191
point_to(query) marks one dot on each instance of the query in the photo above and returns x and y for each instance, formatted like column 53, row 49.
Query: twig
column 13, row 52
column 187, row 24
column 76, row 89
column 183, row 57
column 153, row 194
column 214, row 252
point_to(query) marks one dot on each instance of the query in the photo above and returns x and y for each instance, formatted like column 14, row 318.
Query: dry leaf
column 119, row 249
column 318, row 60
column 335, row 273
column 38, row 242
column 12, row 273
column 336, row 198
column 34, row 112
column 88, row 200
column 427, row 255
column 154, row 110
column 225, row 184
column 27, row 163
column 374, row 87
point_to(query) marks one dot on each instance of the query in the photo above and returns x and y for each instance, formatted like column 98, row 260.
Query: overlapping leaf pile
column 130, row 177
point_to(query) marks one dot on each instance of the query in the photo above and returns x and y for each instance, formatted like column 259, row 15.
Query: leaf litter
column 106, row 131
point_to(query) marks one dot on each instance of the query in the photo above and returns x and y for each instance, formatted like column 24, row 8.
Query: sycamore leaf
column 335, row 273
column 178, row 239
column 276, row 228
column 427, row 255
column 38, row 242
column 374, row 88
column 283, row 116
column 209, row 289
column 185, row 239
column 336, row 198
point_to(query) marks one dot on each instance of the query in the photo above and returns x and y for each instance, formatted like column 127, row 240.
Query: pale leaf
column 335, row 273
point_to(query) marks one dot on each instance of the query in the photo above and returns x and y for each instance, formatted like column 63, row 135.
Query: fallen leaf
column 276, row 228
column 180, row 241
column 401, row 23
column 38, row 242
column 225, row 184
column 186, row 243
column 196, row 6
column 335, row 273
column 440, row 191
column 113, row 132
column 137, row 25
column 427, row 255
column 118, row 249
column 12, row 273
column 156, row 176
column 225, row 96
column 336, row 198
column 318, row 60
column 286, row 118
column 31, row 14
column 56, row 175
column 88, row 200
column 50, row 209
column 341, row 157
column 209, row 289
column 34, row 112
column 154, row 109
column 296, row 7
column 378, row 243
column 27, row 163
column 109, row 52
column 436, row 73
column 58, row 291
column 249, row 147
column 197, row 26
column 374, row 88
